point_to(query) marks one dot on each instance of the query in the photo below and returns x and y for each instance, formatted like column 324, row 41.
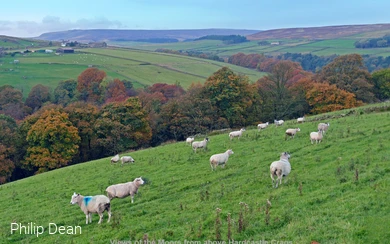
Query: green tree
column 8, row 147
column 65, row 92
column 349, row 73
column 381, row 80
column 53, row 141
column 231, row 94
column 83, row 116
column 122, row 126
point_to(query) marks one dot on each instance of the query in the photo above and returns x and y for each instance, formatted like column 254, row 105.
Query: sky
column 30, row 18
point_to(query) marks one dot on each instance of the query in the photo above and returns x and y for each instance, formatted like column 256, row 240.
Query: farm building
column 65, row 50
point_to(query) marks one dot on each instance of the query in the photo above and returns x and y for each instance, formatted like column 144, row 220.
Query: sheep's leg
column 132, row 198
column 90, row 217
column 86, row 219
column 101, row 217
column 109, row 215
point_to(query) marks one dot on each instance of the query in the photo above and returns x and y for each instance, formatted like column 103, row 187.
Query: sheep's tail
column 274, row 171
column 104, row 206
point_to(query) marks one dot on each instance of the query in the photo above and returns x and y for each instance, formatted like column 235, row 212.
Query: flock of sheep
column 100, row 203
column 278, row 169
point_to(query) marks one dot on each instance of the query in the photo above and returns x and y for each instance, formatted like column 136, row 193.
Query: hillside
column 337, row 191
column 315, row 33
column 133, row 35
column 9, row 42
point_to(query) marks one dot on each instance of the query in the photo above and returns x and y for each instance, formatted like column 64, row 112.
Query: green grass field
column 339, row 46
column 141, row 67
column 323, row 200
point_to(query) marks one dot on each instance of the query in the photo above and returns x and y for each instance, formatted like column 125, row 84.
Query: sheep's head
column 285, row 155
column 230, row 152
column 75, row 197
column 139, row 181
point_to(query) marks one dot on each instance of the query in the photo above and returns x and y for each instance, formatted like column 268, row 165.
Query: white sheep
column 237, row 133
column 115, row 159
column 262, row 126
column 301, row 119
column 189, row 140
column 127, row 159
column 291, row 132
column 316, row 136
column 279, row 122
column 220, row 159
column 124, row 189
column 280, row 169
column 200, row 144
column 92, row 204
column 323, row 127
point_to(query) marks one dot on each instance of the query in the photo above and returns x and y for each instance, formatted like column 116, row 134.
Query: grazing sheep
column 115, row 159
column 237, row 133
column 200, row 144
column 301, row 120
column 291, row 132
column 127, row 159
column 92, row 204
column 262, row 126
column 316, row 136
column 124, row 189
column 220, row 159
column 279, row 122
column 189, row 140
column 280, row 169
column 323, row 127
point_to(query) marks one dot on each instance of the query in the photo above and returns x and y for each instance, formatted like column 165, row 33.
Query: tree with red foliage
column 8, row 147
column 116, row 91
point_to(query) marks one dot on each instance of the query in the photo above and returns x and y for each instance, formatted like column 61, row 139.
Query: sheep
column 280, row 169
column 262, row 126
column 189, row 140
column 220, row 159
column 124, row 189
column 115, row 159
column 279, row 122
column 291, row 132
column 301, row 119
column 92, row 204
column 323, row 127
column 200, row 144
column 316, row 136
column 127, row 159
column 237, row 133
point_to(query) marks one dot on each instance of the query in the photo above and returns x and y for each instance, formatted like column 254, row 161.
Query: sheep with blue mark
column 92, row 204
column 124, row 189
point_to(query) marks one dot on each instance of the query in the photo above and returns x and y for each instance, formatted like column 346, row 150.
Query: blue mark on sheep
column 87, row 200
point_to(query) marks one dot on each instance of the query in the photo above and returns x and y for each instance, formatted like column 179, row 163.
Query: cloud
column 54, row 23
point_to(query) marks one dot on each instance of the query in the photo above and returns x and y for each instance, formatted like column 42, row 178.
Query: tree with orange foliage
column 53, row 141
column 89, row 85
column 323, row 98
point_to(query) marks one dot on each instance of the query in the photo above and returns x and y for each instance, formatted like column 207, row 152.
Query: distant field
column 340, row 46
column 141, row 67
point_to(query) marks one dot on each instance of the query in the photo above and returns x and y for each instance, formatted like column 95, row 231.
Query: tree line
column 90, row 117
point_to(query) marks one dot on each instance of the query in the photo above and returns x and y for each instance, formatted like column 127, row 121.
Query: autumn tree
column 38, row 95
column 8, row 147
column 274, row 90
column 11, row 103
column 122, row 126
column 381, row 80
column 349, row 73
column 83, row 116
column 89, row 85
column 115, row 91
column 65, row 92
column 53, row 141
column 231, row 94
column 323, row 98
